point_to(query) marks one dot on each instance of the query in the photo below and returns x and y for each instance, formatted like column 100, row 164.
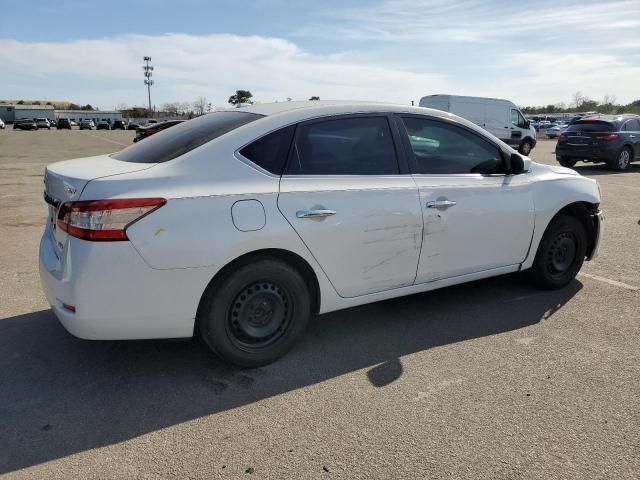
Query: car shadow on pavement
column 60, row 395
column 596, row 169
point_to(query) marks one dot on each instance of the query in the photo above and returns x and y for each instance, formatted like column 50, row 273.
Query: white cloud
column 212, row 65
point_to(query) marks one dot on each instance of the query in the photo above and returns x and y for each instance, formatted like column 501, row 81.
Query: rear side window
column 180, row 139
column 347, row 146
column 270, row 152
column 590, row 126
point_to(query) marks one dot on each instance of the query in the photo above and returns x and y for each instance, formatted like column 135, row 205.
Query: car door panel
column 371, row 243
column 345, row 197
column 472, row 221
column 489, row 226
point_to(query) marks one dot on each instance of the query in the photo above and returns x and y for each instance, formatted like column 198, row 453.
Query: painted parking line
column 615, row 283
column 106, row 139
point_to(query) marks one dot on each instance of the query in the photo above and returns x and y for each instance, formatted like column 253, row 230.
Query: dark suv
column 613, row 139
column 63, row 123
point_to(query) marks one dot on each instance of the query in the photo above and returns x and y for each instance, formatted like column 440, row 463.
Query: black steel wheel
column 560, row 254
column 253, row 313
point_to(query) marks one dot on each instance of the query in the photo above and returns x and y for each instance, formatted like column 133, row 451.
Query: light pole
column 148, row 73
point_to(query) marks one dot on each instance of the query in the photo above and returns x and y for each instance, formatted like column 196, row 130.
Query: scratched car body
column 238, row 225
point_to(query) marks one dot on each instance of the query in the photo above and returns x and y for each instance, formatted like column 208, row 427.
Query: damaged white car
column 238, row 225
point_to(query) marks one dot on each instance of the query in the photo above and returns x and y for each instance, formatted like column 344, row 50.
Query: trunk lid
column 65, row 182
column 585, row 134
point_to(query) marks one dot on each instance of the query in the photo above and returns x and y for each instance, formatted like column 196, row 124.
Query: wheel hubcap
column 561, row 254
column 623, row 159
column 259, row 315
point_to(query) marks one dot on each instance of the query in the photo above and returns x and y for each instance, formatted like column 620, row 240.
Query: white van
column 499, row 117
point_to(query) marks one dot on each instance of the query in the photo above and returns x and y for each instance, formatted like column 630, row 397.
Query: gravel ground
column 492, row 379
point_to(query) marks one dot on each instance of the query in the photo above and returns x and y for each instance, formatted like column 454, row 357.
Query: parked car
column 152, row 121
column 73, row 123
column 53, row 123
column 613, row 139
column 43, row 123
column 133, row 126
column 25, row 124
column 241, row 223
column 63, row 123
column 500, row 117
column 2, row 125
column 87, row 124
column 103, row 125
column 118, row 125
column 144, row 132
column 555, row 131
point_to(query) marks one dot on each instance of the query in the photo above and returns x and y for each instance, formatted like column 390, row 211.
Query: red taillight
column 104, row 220
column 611, row 136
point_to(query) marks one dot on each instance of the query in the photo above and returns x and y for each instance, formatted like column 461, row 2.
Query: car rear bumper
column 115, row 294
column 601, row 154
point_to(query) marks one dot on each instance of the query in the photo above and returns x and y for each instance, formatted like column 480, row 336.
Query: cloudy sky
column 536, row 52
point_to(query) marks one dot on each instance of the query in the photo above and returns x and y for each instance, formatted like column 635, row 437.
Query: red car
column 144, row 132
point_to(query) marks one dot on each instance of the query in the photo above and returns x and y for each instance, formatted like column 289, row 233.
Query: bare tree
column 578, row 99
column 172, row 108
column 200, row 105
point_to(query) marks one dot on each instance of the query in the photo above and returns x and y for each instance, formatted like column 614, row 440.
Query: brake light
column 611, row 136
column 104, row 220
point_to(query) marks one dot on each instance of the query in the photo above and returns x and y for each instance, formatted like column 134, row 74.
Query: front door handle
column 632, row 136
column 315, row 213
column 440, row 204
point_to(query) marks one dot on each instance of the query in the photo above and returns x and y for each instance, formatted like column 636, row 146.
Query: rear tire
column 525, row 147
column 252, row 315
column 622, row 160
column 560, row 254
column 567, row 162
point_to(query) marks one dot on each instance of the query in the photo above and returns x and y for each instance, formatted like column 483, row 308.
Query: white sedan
column 240, row 224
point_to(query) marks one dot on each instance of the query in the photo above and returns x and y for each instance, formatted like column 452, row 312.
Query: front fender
column 552, row 195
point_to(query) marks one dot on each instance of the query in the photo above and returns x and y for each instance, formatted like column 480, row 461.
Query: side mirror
column 516, row 166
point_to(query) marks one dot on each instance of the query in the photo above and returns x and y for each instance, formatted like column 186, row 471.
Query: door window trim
column 410, row 156
column 401, row 160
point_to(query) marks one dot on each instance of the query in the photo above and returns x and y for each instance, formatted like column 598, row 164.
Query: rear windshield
column 590, row 126
column 180, row 139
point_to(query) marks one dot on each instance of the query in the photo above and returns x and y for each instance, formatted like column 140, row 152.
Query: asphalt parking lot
column 492, row 379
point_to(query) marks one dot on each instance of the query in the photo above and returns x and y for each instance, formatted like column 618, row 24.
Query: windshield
column 180, row 139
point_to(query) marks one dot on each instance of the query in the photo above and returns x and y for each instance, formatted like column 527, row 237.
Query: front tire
column 252, row 315
column 560, row 254
column 525, row 147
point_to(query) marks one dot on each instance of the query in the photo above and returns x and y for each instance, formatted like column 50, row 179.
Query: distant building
column 95, row 115
column 11, row 113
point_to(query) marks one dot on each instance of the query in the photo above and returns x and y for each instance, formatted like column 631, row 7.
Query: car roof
column 608, row 118
column 279, row 114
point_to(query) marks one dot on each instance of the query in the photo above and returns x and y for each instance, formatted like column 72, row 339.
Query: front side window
column 347, row 146
column 517, row 119
column 631, row 126
column 441, row 148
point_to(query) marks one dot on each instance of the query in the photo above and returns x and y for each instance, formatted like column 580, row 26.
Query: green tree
column 20, row 102
column 314, row 98
column 241, row 96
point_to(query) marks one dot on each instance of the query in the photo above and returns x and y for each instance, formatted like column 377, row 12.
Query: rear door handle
column 632, row 136
column 440, row 203
column 314, row 213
